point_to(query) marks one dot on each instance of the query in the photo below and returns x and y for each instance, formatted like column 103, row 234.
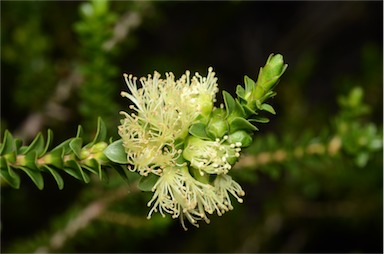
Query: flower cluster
column 184, row 146
column 157, row 141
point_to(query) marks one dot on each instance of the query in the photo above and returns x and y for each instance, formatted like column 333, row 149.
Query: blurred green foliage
column 300, row 197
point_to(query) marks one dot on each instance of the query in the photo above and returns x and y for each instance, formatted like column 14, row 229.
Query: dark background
column 329, row 47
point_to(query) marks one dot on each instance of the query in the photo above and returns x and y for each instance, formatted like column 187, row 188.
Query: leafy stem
column 70, row 156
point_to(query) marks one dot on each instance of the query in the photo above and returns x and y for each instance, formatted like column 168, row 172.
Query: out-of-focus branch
column 54, row 108
column 85, row 217
column 253, row 161
column 123, row 219
column 129, row 21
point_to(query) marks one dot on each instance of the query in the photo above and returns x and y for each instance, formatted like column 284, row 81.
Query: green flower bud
column 84, row 154
column 99, row 147
column 205, row 103
column 218, row 125
column 241, row 137
column 212, row 157
column 269, row 75
column 233, row 157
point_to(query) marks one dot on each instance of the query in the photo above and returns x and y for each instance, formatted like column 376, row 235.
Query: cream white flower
column 179, row 194
column 154, row 137
column 165, row 109
column 212, row 157
column 225, row 185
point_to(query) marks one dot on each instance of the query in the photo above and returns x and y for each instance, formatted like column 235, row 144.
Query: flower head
column 212, row 157
column 164, row 110
column 179, row 194
column 157, row 141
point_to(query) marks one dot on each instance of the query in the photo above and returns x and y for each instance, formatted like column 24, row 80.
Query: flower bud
column 212, row 157
column 269, row 75
column 240, row 137
column 218, row 125
column 205, row 103
column 99, row 147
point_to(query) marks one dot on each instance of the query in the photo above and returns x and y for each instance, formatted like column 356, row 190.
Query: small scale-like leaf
column 103, row 176
column 123, row 172
column 64, row 146
column 146, row 183
column 10, row 176
column 268, row 108
column 249, row 84
column 18, row 144
column 240, row 123
column 101, row 172
column 48, row 142
column 30, row 160
column 101, row 132
column 79, row 133
column 11, row 172
column 240, row 92
column 116, row 152
column 10, row 157
column 35, row 175
column 74, row 173
column 92, row 166
column 248, row 111
column 75, row 146
column 22, row 149
column 233, row 106
column 229, row 101
column 59, row 180
column 7, row 145
column 75, row 170
column 259, row 119
column 198, row 130
column 3, row 163
column 57, row 157
column 37, row 145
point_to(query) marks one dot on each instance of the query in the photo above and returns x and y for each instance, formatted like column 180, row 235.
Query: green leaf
column 37, row 145
column 240, row 92
column 198, row 130
column 116, row 152
column 64, row 146
column 229, row 101
column 48, row 142
column 123, row 172
column 80, row 131
column 7, row 145
column 75, row 145
column 268, row 108
column 102, row 173
column 35, row 175
column 74, row 169
column 93, row 166
column 18, row 144
column 233, row 106
column 248, row 111
column 240, row 123
column 59, row 180
column 146, row 183
column 57, row 157
column 10, row 176
column 101, row 133
column 259, row 119
column 249, row 84
column 30, row 160
column 240, row 136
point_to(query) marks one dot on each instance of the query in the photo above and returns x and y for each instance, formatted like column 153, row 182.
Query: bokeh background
column 62, row 65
